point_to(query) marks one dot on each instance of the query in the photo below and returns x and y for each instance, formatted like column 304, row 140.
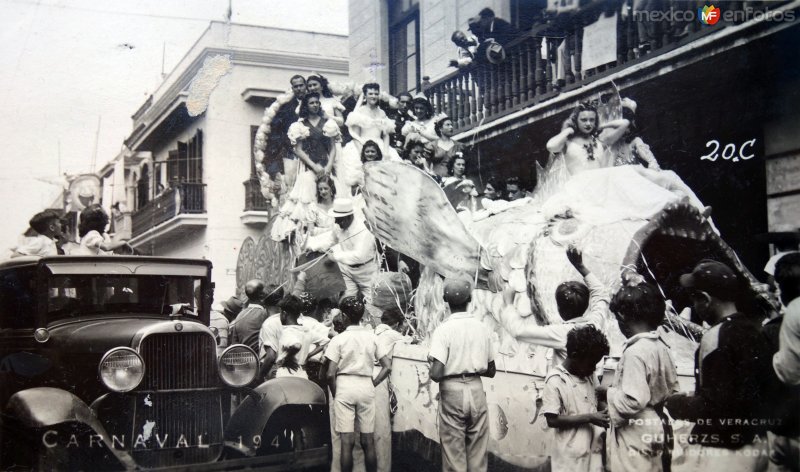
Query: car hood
column 96, row 336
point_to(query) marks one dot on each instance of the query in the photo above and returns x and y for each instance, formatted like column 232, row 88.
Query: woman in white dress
column 368, row 122
column 319, row 220
column 595, row 190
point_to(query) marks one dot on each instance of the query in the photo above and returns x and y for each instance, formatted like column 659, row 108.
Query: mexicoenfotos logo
column 709, row 15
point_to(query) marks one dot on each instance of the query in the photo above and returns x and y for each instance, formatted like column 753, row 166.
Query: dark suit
column 500, row 30
column 278, row 145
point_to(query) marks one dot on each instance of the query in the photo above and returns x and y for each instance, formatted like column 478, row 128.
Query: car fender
column 249, row 419
column 41, row 408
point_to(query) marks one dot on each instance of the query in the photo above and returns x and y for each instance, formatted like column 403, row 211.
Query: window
column 18, row 298
column 186, row 163
column 72, row 295
column 404, row 57
column 253, row 133
column 526, row 13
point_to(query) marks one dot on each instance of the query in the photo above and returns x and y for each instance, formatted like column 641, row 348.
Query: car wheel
column 295, row 428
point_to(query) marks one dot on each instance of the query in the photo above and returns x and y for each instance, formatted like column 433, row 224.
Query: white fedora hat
column 341, row 207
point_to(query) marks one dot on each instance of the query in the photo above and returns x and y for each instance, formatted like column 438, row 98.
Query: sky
column 74, row 71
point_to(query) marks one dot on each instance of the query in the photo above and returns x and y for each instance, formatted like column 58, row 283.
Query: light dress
column 294, row 211
column 90, row 245
column 349, row 168
column 605, row 195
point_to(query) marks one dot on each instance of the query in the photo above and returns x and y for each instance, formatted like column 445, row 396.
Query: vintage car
column 108, row 363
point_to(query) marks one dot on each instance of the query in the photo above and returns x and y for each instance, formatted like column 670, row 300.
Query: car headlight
column 238, row 365
column 121, row 369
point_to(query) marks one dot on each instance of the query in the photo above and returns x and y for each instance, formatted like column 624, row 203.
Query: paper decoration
column 600, row 42
column 407, row 210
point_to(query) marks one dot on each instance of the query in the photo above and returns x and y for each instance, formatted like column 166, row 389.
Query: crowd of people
column 747, row 377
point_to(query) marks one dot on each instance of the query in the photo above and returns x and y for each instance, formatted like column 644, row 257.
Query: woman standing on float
column 317, row 153
column 368, row 122
column 597, row 192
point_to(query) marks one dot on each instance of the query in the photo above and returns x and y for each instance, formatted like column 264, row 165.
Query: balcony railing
column 183, row 198
column 539, row 65
column 253, row 199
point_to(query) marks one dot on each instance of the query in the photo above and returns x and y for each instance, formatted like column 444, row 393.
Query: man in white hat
column 461, row 353
column 353, row 249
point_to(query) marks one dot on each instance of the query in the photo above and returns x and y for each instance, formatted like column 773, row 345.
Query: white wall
column 226, row 133
column 368, row 40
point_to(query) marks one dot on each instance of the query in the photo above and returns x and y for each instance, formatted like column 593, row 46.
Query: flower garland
column 269, row 187
column 267, row 184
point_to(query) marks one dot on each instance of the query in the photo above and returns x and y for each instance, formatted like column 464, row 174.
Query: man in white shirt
column 353, row 249
column 352, row 355
column 461, row 353
column 47, row 225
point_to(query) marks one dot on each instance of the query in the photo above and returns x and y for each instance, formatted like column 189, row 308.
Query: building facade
column 190, row 186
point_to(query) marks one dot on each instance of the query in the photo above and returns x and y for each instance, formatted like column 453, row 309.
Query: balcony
column 172, row 213
column 256, row 207
column 539, row 66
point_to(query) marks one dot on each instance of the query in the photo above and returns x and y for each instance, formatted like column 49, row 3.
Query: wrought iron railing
column 253, row 198
column 179, row 199
column 547, row 59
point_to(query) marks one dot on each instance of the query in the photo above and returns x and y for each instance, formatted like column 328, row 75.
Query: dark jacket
column 501, row 31
column 278, row 145
column 732, row 367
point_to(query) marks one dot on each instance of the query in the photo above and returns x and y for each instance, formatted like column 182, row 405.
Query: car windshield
column 72, row 295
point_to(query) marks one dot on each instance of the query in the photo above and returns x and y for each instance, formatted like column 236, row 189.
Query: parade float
column 516, row 256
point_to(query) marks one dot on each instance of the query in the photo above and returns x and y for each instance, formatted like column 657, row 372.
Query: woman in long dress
column 368, row 122
column 595, row 190
column 331, row 105
column 316, row 152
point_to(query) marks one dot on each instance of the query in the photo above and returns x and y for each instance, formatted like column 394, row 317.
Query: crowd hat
column 715, row 278
column 233, row 305
column 457, row 291
column 341, row 207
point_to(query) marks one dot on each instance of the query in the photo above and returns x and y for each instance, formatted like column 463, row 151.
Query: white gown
column 349, row 168
column 609, row 194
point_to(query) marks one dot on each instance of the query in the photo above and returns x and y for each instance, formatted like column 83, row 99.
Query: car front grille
column 179, row 361
column 173, row 429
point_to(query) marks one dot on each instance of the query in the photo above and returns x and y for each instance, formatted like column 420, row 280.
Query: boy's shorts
column 355, row 401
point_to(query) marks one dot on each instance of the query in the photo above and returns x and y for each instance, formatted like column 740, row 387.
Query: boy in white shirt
column 569, row 403
column 352, row 355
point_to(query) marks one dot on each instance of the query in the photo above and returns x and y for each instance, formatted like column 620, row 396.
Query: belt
column 356, row 266
column 462, row 376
